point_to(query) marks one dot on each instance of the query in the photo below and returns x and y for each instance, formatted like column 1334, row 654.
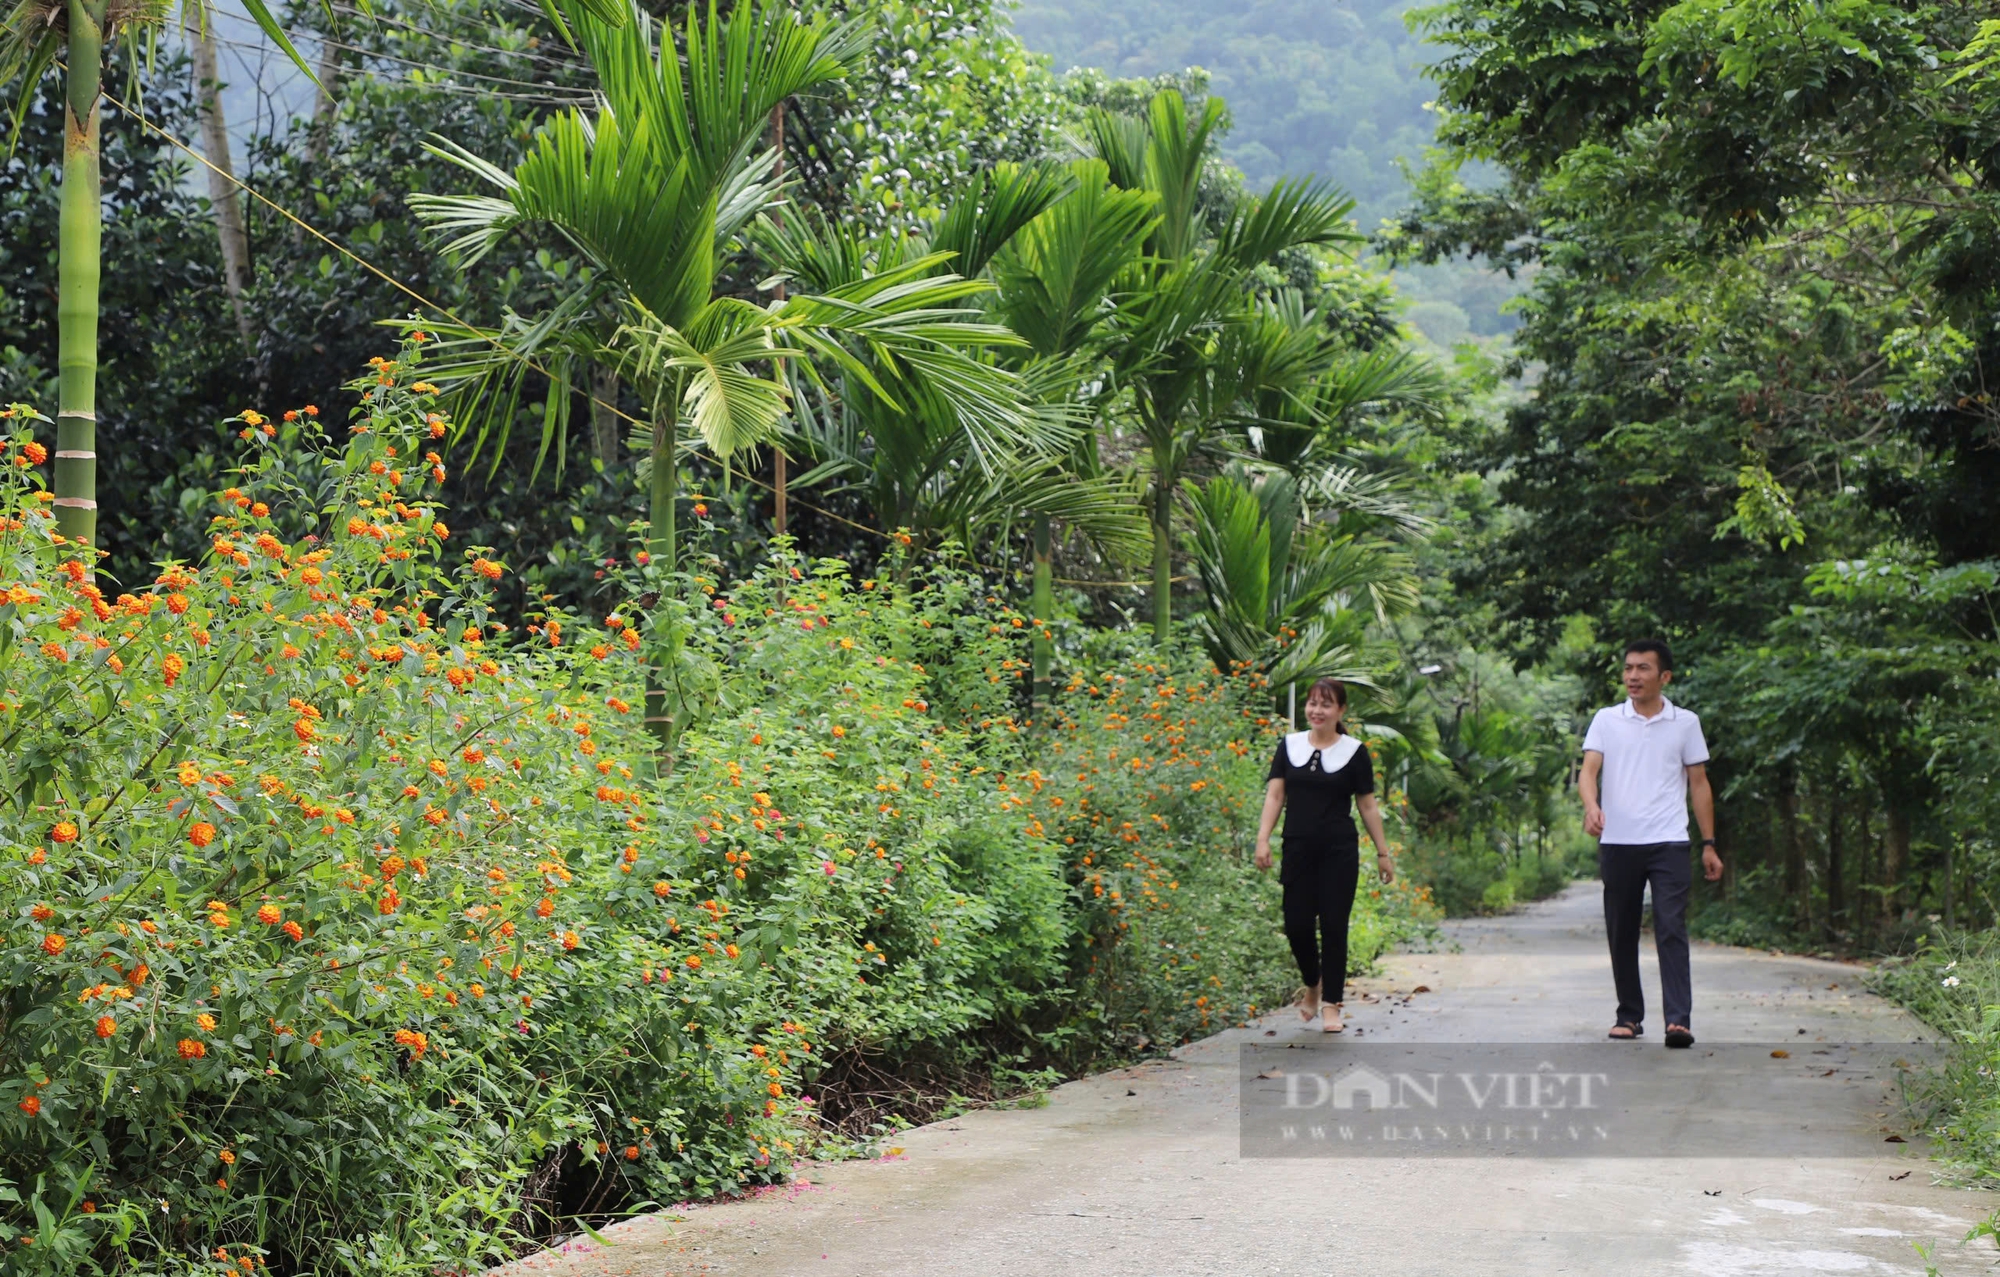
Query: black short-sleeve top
column 1320, row 787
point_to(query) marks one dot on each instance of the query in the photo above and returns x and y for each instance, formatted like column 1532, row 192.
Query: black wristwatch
column 1708, row 842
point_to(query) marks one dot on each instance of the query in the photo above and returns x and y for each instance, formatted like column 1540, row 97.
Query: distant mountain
column 1314, row 86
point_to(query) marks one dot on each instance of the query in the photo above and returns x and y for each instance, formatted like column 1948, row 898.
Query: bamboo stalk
column 78, row 273
column 1163, row 557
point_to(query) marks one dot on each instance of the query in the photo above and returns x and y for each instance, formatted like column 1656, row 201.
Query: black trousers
column 1319, row 887
column 1626, row 869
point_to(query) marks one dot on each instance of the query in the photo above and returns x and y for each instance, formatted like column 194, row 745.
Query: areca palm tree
column 1188, row 344
column 1056, row 280
column 652, row 188
column 36, row 36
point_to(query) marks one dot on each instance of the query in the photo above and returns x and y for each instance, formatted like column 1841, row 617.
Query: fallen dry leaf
column 1781, row 1055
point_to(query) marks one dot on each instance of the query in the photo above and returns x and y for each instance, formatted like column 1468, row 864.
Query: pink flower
column 701, row 835
column 828, row 866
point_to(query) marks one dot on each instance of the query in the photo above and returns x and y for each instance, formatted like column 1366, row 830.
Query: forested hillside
column 1313, row 87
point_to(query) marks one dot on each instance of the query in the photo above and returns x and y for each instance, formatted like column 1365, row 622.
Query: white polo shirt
column 1643, row 785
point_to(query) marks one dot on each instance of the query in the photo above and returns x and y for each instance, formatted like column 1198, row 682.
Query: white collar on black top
column 1298, row 748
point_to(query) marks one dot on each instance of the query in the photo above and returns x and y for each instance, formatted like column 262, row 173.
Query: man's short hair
column 1660, row 651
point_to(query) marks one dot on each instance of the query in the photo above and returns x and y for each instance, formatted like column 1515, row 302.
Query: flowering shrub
column 350, row 929
column 337, row 910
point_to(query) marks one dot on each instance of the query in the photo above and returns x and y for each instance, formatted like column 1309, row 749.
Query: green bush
column 1498, row 896
column 1486, row 880
column 1755, row 912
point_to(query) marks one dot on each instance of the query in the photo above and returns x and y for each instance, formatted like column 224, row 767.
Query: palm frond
column 1055, row 274
column 1346, row 493
column 728, row 406
column 483, row 374
column 993, row 209
column 815, row 254
column 1119, row 141
column 1104, row 509
column 1294, row 213
column 737, row 69
column 1280, row 598
column 1385, row 377
column 1232, row 541
column 1342, row 568
column 31, row 40
column 1176, row 156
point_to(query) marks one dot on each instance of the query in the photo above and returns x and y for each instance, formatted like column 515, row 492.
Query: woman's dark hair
column 1654, row 647
column 1330, row 689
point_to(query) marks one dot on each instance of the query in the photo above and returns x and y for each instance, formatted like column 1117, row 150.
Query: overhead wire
column 429, row 33
column 447, row 313
column 551, row 93
column 533, row 55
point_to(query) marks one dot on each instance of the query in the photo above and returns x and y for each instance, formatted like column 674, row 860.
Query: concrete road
column 1141, row 1171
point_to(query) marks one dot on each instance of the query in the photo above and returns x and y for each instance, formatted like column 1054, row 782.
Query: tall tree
column 222, row 196
column 1055, row 278
column 1186, row 346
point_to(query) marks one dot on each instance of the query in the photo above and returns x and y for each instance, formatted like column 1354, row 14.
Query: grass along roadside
column 1952, row 983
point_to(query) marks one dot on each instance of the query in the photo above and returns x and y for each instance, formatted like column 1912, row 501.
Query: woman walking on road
column 1315, row 774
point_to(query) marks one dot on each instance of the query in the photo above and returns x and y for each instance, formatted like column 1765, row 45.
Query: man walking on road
column 1642, row 761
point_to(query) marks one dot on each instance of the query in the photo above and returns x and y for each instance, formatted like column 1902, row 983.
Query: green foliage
column 943, row 95
column 1755, row 404
column 926, row 464
column 1764, row 510
column 1290, row 602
